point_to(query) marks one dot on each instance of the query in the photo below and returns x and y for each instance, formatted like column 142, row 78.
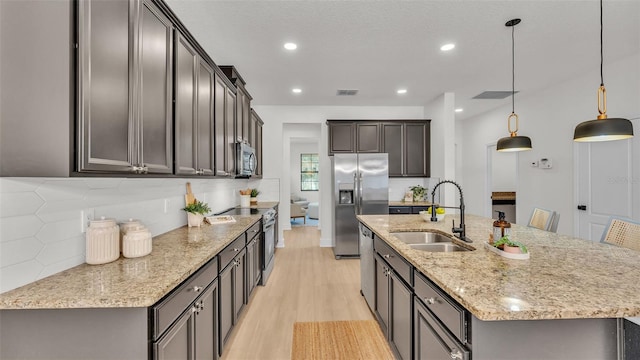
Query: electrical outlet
column 86, row 215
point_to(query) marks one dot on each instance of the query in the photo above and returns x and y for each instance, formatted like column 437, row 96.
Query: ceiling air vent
column 347, row 92
column 493, row 95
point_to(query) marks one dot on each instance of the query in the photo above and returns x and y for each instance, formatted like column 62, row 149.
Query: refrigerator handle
column 356, row 196
column 360, row 195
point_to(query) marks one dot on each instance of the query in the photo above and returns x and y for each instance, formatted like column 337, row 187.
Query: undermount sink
column 421, row 237
column 429, row 241
column 438, row 247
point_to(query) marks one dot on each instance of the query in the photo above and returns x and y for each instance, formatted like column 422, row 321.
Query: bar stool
column 622, row 232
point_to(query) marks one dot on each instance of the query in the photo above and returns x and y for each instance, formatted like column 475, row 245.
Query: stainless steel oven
column 267, row 246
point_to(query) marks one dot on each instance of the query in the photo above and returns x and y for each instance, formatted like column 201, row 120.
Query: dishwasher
column 367, row 278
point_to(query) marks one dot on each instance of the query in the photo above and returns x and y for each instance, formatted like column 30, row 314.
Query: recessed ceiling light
column 290, row 46
column 447, row 47
column 296, row 90
column 402, row 91
column 458, row 110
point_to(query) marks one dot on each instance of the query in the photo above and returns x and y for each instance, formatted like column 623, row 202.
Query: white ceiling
column 380, row 46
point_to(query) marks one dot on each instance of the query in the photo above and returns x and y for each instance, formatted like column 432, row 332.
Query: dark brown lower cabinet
column 194, row 335
column 431, row 341
column 232, row 296
column 394, row 308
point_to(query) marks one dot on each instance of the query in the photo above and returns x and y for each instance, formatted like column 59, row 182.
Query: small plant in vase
column 195, row 212
column 508, row 245
column 254, row 196
column 418, row 192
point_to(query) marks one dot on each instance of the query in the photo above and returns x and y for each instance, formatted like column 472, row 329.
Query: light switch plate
column 86, row 215
column 546, row 163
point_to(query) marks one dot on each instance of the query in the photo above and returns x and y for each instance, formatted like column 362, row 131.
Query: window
column 309, row 172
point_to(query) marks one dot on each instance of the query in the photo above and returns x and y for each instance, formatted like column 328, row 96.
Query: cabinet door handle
column 197, row 288
column 386, row 256
column 456, row 354
column 430, row 300
column 235, row 250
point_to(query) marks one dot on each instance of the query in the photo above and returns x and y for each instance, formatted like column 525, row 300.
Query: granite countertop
column 137, row 282
column 265, row 205
column 564, row 278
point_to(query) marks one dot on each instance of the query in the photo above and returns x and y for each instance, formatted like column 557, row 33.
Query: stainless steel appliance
column 367, row 266
column 360, row 186
column 246, row 160
column 267, row 246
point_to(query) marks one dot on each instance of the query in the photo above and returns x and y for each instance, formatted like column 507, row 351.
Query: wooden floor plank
column 307, row 284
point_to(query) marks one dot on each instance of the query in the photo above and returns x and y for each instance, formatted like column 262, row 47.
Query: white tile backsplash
column 269, row 189
column 399, row 186
column 40, row 218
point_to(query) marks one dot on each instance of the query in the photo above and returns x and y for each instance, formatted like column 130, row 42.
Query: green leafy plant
column 197, row 207
column 506, row 241
column 255, row 192
column 418, row 192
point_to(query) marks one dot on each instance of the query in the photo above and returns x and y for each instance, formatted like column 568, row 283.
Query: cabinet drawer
column 417, row 209
column 399, row 209
column 169, row 309
column 253, row 231
column 447, row 311
column 231, row 251
column 396, row 261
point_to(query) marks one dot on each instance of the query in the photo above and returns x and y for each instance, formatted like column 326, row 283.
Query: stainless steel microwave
column 246, row 160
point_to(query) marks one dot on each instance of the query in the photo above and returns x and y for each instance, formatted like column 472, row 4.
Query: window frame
column 312, row 159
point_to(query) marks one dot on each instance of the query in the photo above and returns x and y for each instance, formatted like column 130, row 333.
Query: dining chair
column 622, row 232
column 541, row 219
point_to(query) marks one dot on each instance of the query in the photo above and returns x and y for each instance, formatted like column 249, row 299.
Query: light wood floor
column 307, row 284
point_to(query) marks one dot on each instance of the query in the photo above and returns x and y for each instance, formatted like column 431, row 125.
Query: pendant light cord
column 601, row 45
column 513, row 70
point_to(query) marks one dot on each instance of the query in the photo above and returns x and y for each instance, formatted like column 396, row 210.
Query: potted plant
column 195, row 212
column 418, row 192
column 254, row 196
column 510, row 246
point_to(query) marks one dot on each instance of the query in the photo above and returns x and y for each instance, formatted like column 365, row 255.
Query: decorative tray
column 494, row 249
column 220, row 219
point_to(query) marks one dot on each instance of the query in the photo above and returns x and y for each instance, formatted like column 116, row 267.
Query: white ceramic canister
column 136, row 242
column 103, row 241
column 126, row 226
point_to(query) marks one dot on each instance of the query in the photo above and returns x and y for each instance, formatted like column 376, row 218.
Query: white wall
column 41, row 218
column 443, row 144
column 296, row 149
column 276, row 150
column 548, row 117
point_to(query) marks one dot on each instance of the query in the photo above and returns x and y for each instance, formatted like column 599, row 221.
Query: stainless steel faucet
column 456, row 230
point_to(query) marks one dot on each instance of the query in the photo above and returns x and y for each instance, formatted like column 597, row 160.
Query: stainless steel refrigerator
column 360, row 186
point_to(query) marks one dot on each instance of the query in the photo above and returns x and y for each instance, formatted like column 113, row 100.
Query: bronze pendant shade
column 602, row 128
column 513, row 142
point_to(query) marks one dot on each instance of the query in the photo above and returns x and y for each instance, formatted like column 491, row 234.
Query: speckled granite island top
column 137, row 282
column 565, row 277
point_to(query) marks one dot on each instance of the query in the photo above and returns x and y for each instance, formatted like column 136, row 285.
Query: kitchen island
column 570, row 289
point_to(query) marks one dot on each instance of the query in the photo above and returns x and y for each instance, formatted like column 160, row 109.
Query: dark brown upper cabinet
column 408, row 143
column 225, row 114
column 125, row 88
column 255, row 136
column 194, row 112
column 243, row 104
column 342, row 137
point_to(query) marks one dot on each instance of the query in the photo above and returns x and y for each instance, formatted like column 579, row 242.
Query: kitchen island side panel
column 586, row 339
column 99, row 334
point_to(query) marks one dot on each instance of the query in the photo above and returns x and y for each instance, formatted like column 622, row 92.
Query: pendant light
column 602, row 128
column 513, row 142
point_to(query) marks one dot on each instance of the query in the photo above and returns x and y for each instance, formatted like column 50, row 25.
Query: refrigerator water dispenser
column 346, row 197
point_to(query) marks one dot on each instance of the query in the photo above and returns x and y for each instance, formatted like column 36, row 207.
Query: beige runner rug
column 330, row 340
